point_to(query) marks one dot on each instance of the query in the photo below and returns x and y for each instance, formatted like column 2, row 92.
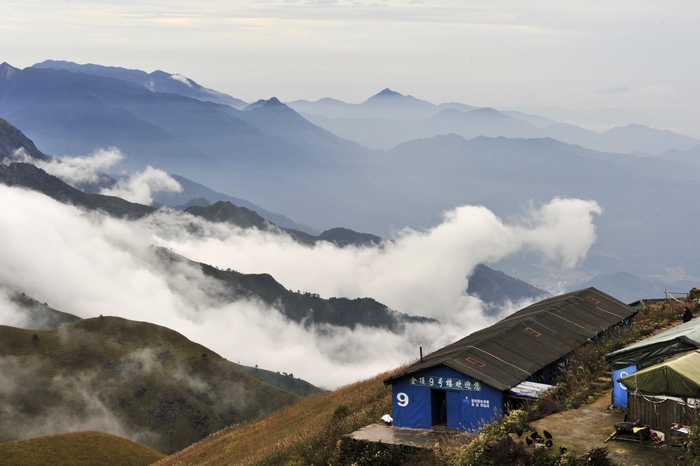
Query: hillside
column 197, row 194
column 132, row 379
column 308, row 432
column 304, row 433
column 496, row 288
column 227, row 212
column 39, row 316
column 307, row 308
column 29, row 176
column 77, row 449
column 284, row 381
column 12, row 139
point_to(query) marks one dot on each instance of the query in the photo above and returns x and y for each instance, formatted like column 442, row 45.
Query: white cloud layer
column 88, row 264
column 139, row 187
column 77, row 170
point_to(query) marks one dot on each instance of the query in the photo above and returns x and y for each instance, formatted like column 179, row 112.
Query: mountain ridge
column 157, row 81
column 140, row 372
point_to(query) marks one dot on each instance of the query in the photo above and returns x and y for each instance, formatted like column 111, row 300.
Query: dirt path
column 586, row 428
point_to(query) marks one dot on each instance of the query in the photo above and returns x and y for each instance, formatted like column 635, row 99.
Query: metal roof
column 515, row 348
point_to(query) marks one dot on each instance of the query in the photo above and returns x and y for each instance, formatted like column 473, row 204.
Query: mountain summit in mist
column 277, row 159
column 157, row 81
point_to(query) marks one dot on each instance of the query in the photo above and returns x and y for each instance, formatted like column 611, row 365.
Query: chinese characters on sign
column 480, row 403
column 446, row 382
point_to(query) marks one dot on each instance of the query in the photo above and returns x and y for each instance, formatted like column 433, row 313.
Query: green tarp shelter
column 653, row 350
column 678, row 376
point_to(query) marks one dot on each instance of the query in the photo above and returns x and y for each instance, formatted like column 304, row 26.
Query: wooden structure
column 663, row 412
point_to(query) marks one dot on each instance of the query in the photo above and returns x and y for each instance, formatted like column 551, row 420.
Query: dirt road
column 586, row 428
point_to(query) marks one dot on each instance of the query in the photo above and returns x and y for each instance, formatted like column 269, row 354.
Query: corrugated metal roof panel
column 512, row 350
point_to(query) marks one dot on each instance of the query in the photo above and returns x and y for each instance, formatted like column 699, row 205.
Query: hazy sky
column 629, row 53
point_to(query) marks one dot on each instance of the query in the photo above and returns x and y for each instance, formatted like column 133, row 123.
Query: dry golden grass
column 77, row 449
column 307, row 432
column 303, row 433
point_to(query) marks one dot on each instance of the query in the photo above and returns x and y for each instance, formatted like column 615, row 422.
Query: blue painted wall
column 619, row 390
column 423, row 399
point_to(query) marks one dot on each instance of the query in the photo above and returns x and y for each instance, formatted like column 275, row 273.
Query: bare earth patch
column 583, row 429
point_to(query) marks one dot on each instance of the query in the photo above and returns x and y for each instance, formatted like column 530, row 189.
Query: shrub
column 341, row 411
column 693, row 454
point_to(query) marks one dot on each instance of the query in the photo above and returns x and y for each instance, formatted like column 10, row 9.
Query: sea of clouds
column 89, row 264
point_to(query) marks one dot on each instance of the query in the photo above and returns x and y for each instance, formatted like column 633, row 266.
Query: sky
column 629, row 54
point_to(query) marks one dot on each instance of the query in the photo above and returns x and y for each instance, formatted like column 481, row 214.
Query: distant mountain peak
column 7, row 70
column 262, row 103
column 389, row 98
column 389, row 93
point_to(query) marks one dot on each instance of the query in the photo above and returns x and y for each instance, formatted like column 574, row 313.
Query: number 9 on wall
column 402, row 399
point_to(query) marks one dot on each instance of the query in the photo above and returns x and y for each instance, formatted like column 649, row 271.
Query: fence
column 660, row 413
column 672, row 295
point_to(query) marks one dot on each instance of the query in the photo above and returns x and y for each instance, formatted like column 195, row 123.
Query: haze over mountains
column 388, row 119
column 270, row 155
column 541, row 206
column 81, row 260
column 330, row 244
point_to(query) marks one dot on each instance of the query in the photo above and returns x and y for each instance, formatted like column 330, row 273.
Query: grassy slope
column 77, row 449
column 307, row 432
column 304, row 433
column 133, row 379
column 40, row 316
column 284, row 381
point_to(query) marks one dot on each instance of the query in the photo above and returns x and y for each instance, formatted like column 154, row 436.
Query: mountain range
column 383, row 132
column 146, row 382
column 271, row 155
column 321, row 185
column 337, row 311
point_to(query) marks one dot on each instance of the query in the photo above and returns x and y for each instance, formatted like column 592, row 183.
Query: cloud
column 140, row 186
column 648, row 89
column 77, row 171
column 180, row 78
column 564, row 230
column 89, row 264
column 615, row 91
column 418, row 272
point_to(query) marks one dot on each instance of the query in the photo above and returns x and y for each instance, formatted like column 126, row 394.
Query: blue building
column 474, row 380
